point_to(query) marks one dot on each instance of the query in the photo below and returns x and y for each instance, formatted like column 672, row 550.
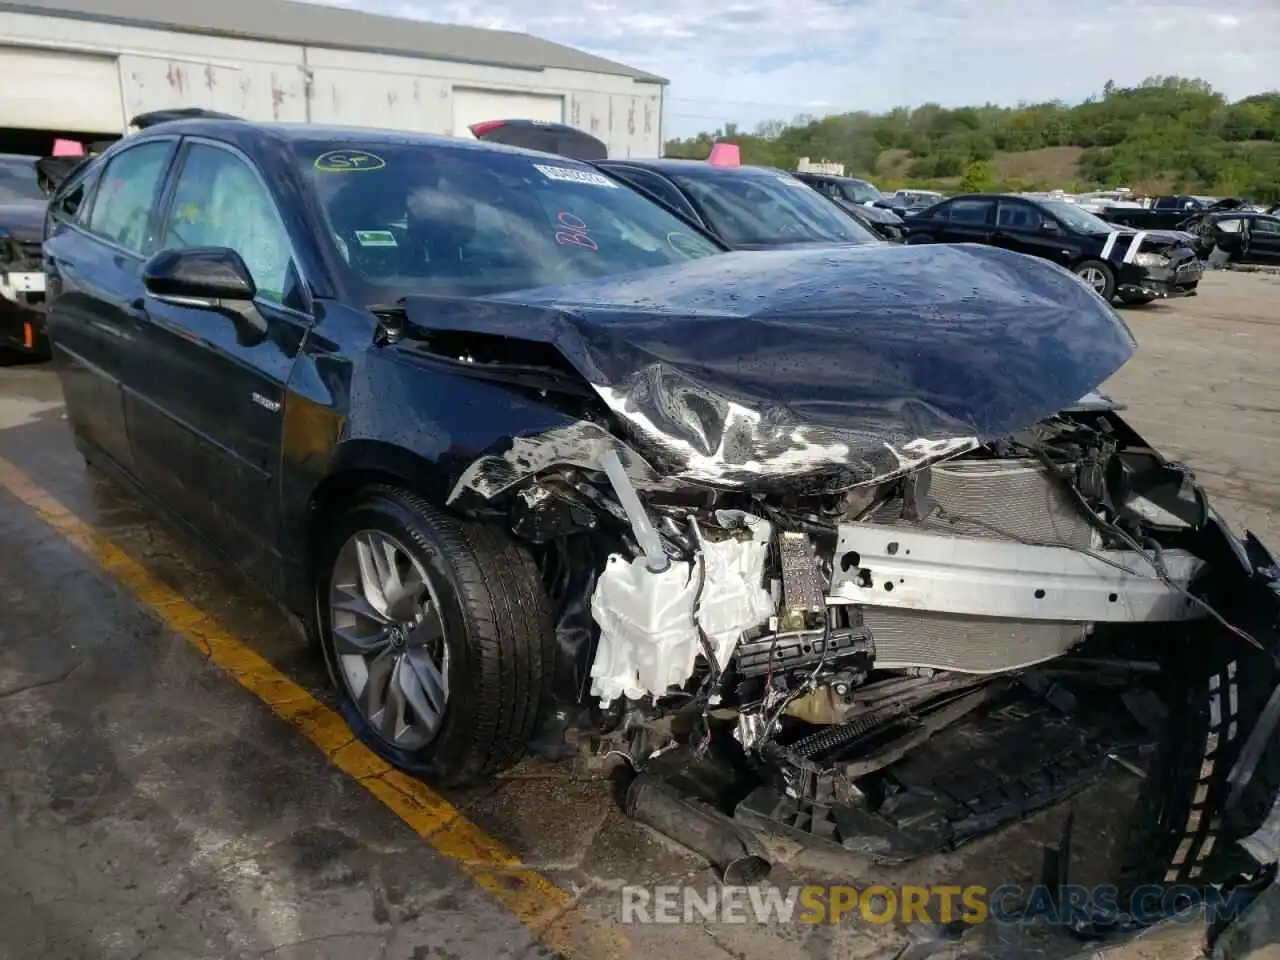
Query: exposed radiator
column 988, row 499
column 1000, row 500
column 948, row 641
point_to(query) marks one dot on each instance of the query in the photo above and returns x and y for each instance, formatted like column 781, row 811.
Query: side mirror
column 207, row 278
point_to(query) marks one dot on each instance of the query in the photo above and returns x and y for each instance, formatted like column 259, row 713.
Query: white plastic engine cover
column 648, row 639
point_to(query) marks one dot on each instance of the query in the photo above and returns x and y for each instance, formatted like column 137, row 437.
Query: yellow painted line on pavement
column 550, row 912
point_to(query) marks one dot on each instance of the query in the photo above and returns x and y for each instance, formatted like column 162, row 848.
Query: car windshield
column 769, row 209
column 1082, row 221
column 464, row 221
column 859, row 191
column 18, row 183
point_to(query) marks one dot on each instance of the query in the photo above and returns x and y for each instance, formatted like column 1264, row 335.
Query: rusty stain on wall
column 417, row 92
column 648, row 116
column 392, row 97
column 631, row 117
column 575, row 111
column 177, row 77
column 277, row 95
column 210, row 80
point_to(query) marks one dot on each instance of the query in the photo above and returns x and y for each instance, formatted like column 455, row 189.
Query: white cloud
column 749, row 60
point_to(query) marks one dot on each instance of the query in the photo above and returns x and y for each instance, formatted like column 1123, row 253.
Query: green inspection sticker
column 375, row 238
column 348, row 161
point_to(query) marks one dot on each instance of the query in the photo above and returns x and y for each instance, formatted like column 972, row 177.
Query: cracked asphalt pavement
column 153, row 804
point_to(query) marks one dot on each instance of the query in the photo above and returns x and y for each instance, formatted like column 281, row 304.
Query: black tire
column 498, row 629
column 1108, row 291
column 1137, row 299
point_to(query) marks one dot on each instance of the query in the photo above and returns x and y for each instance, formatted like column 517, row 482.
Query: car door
column 206, row 399
column 1224, row 239
column 968, row 220
column 1264, row 240
column 1025, row 228
column 99, row 231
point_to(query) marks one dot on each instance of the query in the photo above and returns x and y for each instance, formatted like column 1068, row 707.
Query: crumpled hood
column 877, row 214
column 23, row 222
column 817, row 369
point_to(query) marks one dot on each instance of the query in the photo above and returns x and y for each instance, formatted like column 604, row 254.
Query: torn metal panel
column 817, row 369
column 578, row 445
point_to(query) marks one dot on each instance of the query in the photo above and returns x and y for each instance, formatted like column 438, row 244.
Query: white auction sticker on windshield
column 573, row 175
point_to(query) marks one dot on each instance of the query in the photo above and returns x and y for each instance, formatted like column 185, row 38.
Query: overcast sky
column 745, row 61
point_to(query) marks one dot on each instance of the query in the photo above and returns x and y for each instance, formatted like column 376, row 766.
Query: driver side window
column 219, row 202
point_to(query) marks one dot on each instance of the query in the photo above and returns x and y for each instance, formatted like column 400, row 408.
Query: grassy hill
column 1169, row 133
column 1057, row 166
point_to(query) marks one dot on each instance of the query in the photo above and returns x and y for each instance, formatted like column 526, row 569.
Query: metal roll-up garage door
column 57, row 90
column 476, row 106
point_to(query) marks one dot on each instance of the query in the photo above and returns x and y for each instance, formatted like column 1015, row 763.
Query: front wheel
column 1099, row 277
column 437, row 635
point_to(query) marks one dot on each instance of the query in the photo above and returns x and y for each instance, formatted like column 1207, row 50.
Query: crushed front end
column 22, row 295
column 881, row 561
column 1160, row 265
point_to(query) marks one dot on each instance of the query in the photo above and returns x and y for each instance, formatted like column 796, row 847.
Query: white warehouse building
column 87, row 66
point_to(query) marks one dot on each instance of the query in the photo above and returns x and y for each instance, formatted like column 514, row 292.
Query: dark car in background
column 22, row 209
column 745, row 207
column 1236, row 236
column 1169, row 212
column 859, row 199
column 908, row 202
column 1134, row 266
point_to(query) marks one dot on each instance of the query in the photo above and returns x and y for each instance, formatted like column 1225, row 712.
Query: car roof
column 807, row 174
column 998, row 196
column 238, row 130
column 701, row 167
column 24, row 157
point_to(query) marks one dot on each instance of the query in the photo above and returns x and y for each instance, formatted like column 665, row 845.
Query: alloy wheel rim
column 1094, row 278
column 389, row 639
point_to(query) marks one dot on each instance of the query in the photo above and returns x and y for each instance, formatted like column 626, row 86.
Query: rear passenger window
column 970, row 211
column 122, row 209
column 1018, row 216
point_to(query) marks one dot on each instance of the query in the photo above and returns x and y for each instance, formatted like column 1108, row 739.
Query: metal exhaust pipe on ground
column 736, row 856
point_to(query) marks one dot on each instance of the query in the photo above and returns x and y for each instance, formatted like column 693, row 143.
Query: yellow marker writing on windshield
column 347, row 161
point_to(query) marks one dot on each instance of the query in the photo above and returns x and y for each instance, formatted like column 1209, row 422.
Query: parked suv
column 1134, row 266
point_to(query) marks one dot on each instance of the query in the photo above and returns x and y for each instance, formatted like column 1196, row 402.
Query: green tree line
column 1167, row 134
